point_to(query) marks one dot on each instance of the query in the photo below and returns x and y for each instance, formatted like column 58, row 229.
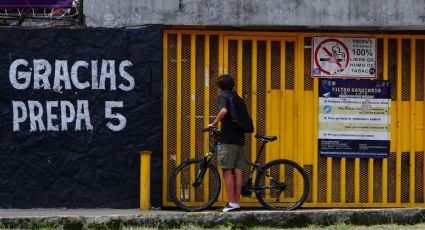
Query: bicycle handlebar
column 206, row 129
column 213, row 133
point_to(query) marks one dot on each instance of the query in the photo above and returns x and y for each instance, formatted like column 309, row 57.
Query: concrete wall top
column 385, row 14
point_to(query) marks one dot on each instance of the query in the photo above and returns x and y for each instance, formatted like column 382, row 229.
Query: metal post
column 145, row 181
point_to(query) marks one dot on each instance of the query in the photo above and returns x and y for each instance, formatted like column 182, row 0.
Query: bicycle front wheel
column 193, row 187
column 281, row 185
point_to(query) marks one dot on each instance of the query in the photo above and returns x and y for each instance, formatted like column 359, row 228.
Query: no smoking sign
column 344, row 57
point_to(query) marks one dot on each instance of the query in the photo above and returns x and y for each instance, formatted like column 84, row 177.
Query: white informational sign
column 344, row 57
column 354, row 118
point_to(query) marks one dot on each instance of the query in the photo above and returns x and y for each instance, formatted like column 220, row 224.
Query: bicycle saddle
column 266, row 138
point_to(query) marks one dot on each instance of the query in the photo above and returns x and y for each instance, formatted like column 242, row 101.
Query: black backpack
column 239, row 113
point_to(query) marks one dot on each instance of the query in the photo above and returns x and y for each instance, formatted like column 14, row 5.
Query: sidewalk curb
column 164, row 219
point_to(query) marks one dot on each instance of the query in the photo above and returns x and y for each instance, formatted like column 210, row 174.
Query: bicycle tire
column 192, row 198
column 284, row 194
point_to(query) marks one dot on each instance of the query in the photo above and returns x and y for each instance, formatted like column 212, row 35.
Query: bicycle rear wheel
column 194, row 188
column 282, row 185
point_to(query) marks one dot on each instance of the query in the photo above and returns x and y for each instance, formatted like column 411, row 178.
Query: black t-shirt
column 229, row 133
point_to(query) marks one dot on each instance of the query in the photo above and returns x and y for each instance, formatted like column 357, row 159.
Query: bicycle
column 276, row 182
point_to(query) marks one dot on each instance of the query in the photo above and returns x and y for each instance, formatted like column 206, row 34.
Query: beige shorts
column 230, row 156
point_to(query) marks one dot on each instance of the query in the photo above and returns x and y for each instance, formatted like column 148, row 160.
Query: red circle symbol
column 336, row 57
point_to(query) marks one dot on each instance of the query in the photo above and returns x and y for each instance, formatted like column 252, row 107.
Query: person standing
column 231, row 145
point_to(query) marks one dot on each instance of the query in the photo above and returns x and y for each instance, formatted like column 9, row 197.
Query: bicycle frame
column 256, row 166
column 213, row 134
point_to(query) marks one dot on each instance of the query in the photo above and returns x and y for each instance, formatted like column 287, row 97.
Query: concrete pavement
column 117, row 218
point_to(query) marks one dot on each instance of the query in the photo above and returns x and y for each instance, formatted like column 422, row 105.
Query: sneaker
column 231, row 208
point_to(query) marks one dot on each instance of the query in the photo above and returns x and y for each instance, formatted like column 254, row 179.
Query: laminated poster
column 354, row 118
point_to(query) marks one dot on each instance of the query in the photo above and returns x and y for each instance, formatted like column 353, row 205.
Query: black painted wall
column 86, row 168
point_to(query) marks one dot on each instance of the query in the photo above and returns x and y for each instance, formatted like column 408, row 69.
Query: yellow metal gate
column 273, row 74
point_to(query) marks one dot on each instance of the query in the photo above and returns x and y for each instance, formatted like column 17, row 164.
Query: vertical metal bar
column 240, row 78
column 165, row 117
column 254, row 98
column 423, row 120
column 385, row 161
column 220, row 54
column 357, row 180
column 399, row 120
column 192, row 106
column 370, row 181
column 207, row 87
column 282, row 130
column 283, row 150
column 275, row 119
column 207, row 101
column 329, row 180
column 315, row 141
column 192, row 93
column 299, row 87
column 282, row 178
column 179, row 97
column 179, row 103
column 226, row 56
column 343, row 178
column 268, row 103
column 412, row 120
column 268, row 96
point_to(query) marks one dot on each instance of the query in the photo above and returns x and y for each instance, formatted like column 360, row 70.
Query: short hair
column 225, row 82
